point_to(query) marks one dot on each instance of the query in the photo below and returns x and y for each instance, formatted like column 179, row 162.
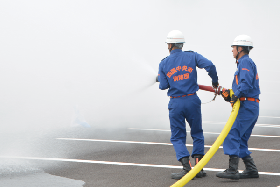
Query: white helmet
column 243, row 40
column 175, row 36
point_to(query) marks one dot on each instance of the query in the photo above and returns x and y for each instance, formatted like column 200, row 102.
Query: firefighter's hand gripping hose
column 184, row 180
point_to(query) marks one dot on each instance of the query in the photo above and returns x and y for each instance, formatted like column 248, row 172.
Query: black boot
column 251, row 170
column 201, row 173
column 186, row 168
column 232, row 171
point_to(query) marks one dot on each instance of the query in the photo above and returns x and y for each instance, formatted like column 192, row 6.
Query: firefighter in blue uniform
column 177, row 73
column 246, row 88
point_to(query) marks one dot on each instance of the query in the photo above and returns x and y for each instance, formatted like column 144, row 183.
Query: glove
column 233, row 100
column 226, row 95
column 215, row 84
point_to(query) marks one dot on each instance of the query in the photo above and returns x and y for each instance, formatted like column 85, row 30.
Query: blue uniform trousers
column 181, row 109
column 236, row 142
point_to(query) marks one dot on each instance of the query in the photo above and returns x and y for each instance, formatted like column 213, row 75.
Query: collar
column 176, row 51
column 244, row 56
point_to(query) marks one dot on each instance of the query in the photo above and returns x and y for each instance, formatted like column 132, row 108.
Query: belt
column 181, row 96
column 248, row 99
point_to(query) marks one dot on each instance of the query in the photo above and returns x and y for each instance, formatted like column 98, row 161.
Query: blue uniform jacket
column 178, row 72
column 246, row 79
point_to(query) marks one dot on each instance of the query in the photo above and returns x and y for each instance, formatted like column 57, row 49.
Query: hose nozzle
column 217, row 91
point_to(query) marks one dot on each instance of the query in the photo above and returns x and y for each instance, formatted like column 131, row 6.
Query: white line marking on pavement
column 267, row 136
column 154, row 143
column 120, row 163
column 268, row 125
column 258, row 125
column 269, row 117
column 116, row 141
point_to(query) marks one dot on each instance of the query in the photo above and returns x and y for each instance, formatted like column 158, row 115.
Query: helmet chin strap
column 237, row 53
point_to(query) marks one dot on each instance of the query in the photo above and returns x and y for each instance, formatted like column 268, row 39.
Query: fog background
column 100, row 59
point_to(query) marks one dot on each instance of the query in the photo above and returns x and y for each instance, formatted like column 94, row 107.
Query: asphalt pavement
column 126, row 157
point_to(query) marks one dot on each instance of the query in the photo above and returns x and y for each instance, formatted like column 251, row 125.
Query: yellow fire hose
column 198, row 167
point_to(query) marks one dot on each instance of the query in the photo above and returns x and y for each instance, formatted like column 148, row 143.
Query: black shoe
column 228, row 175
column 232, row 171
column 251, row 170
column 201, row 173
column 186, row 168
column 178, row 176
